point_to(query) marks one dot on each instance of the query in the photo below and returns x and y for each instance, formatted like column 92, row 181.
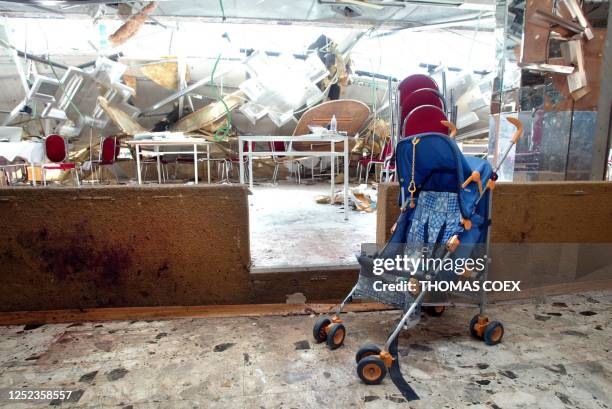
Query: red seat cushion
column 110, row 150
column 185, row 159
column 426, row 118
column 277, row 146
column 423, row 96
column 414, row 82
column 366, row 160
column 59, row 166
column 55, row 148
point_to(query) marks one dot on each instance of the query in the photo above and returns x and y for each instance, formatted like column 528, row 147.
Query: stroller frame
column 373, row 362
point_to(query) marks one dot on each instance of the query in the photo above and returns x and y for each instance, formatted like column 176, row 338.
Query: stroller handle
column 451, row 126
column 519, row 129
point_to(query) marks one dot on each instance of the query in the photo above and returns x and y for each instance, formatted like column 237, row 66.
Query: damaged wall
column 123, row 246
column 189, row 245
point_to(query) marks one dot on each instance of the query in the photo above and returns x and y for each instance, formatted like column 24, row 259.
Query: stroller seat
column 436, row 218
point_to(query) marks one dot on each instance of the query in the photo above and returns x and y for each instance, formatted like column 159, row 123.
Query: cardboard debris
column 364, row 203
column 164, row 74
column 358, row 199
column 322, row 199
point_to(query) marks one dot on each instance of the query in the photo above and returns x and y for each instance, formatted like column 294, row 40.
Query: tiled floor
column 555, row 354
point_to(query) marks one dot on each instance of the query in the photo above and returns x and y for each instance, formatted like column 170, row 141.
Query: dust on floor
column 555, row 354
column 288, row 228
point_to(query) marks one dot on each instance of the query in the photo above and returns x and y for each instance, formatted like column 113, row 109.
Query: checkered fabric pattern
column 436, row 216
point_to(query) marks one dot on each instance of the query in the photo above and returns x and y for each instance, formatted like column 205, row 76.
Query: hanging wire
column 222, row 10
column 225, row 129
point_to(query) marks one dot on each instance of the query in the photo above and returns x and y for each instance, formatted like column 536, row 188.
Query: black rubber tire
column 336, row 335
column 318, row 330
column 473, row 322
column 494, row 332
column 371, row 370
column 434, row 311
column 367, row 350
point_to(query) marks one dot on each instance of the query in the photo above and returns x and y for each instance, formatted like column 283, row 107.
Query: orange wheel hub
column 372, row 372
column 339, row 336
column 497, row 334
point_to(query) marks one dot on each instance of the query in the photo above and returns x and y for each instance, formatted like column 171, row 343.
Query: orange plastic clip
column 474, row 177
column 453, row 243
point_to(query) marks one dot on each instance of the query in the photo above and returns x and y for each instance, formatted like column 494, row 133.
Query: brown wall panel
column 189, row 245
column 123, row 246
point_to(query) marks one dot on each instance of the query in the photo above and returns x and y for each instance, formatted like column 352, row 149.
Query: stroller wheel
column 371, row 370
column 319, row 331
column 335, row 335
column 494, row 332
column 367, row 350
column 473, row 330
column 434, row 310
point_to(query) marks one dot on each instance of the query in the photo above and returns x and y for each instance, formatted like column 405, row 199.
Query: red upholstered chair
column 383, row 159
column 278, row 160
column 415, row 82
column 423, row 96
column 109, row 150
column 56, row 150
column 426, row 118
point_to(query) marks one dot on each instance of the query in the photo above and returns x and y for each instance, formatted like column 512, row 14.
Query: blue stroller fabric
column 440, row 203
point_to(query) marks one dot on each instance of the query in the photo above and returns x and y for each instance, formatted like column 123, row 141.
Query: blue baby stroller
column 445, row 215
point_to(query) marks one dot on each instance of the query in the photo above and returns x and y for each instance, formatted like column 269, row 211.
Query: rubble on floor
column 555, row 354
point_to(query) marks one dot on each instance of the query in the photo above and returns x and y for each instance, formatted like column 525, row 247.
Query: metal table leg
column 159, row 178
column 332, row 172
column 208, row 160
column 346, row 176
column 138, row 172
column 241, row 160
column 195, row 163
column 250, row 164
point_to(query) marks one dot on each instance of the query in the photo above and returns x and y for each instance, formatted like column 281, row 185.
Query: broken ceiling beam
column 552, row 21
column 551, row 68
column 186, row 90
column 120, row 118
column 208, row 115
column 33, row 57
column 576, row 12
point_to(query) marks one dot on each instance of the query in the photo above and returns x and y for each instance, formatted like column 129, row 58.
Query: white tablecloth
column 31, row 151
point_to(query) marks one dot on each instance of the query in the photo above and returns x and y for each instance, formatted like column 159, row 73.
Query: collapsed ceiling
column 459, row 14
